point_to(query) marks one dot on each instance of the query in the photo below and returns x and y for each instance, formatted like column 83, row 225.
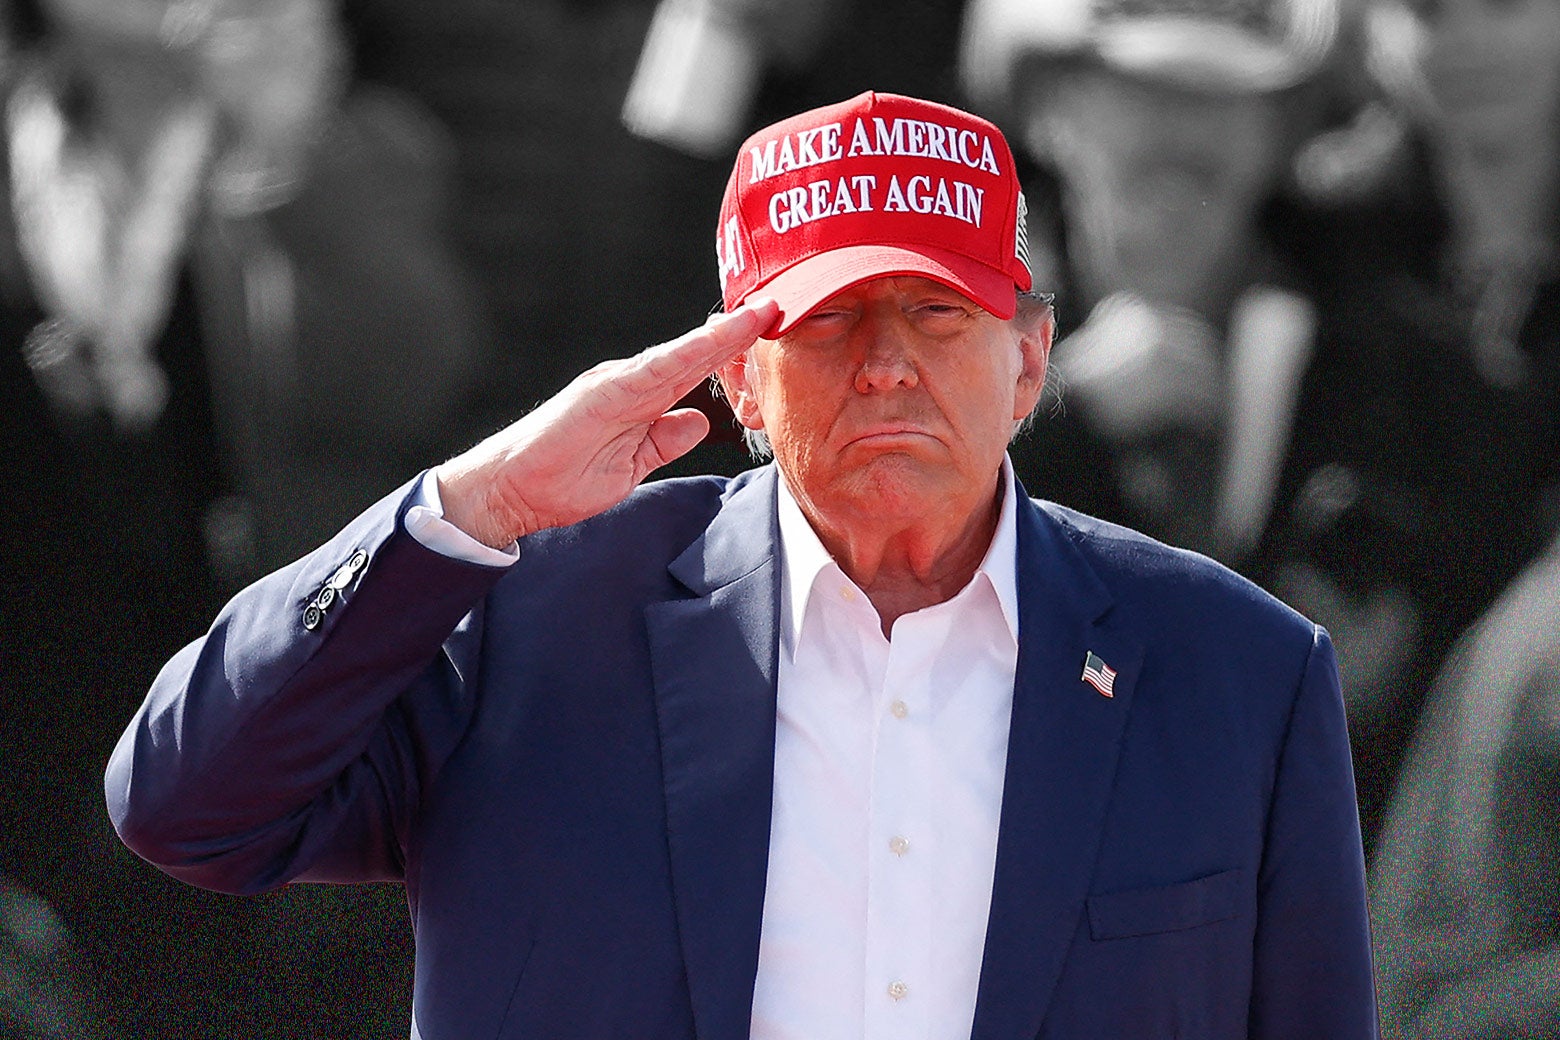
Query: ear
column 738, row 380
column 1034, row 345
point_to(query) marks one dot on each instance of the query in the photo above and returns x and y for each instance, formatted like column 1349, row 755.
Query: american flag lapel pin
column 1099, row 675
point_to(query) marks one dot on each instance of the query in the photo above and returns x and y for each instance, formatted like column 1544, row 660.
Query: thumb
column 670, row 437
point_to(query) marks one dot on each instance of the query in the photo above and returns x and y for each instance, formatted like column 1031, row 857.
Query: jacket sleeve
column 293, row 740
column 1312, row 973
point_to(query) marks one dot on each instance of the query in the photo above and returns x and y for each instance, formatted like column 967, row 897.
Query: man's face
column 894, row 398
column 1493, row 68
column 1162, row 186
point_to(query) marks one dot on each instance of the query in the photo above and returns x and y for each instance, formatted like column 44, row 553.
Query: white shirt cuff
column 425, row 522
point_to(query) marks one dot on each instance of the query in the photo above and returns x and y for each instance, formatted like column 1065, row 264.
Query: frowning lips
column 889, row 432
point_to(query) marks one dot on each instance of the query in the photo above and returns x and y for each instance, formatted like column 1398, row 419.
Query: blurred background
column 261, row 261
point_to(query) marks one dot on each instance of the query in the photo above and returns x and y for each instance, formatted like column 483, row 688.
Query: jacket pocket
column 1169, row 908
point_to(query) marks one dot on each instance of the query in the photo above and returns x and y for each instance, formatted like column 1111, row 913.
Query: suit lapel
column 713, row 660
column 1062, row 751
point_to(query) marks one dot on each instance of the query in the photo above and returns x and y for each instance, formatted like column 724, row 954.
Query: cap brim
column 800, row 288
column 1204, row 54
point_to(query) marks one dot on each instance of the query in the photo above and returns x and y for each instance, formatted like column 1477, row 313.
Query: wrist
column 470, row 502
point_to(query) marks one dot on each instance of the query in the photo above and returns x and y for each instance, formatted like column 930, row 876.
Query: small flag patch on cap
column 1099, row 675
column 1021, row 234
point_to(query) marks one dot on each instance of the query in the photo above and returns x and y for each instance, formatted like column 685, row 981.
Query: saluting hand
column 584, row 450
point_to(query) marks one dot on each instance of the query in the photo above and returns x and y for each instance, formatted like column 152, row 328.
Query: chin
column 896, row 483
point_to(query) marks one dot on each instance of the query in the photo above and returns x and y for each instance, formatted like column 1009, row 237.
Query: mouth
column 888, row 435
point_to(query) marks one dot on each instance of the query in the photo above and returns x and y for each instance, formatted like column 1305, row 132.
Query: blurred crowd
column 263, row 260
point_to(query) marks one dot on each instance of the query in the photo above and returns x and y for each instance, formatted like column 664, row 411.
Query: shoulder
column 1174, row 591
column 1215, row 664
column 596, row 574
column 644, row 532
column 672, row 511
column 1125, row 558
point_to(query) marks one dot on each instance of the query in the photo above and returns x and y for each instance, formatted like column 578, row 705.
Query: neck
column 907, row 564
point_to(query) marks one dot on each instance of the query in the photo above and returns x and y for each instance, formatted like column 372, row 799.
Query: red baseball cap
column 878, row 185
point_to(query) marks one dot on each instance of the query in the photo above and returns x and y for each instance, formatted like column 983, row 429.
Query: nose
column 886, row 361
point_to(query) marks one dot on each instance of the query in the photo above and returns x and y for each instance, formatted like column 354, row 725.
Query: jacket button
column 358, row 560
column 312, row 616
column 325, row 597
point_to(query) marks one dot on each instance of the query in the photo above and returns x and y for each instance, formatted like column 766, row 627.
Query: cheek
column 986, row 402
column 797, row 387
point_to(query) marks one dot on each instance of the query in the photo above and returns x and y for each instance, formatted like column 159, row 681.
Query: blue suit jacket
column 569, row 763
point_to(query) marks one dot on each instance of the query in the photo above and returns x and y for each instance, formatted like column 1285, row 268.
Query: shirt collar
column 804, row 558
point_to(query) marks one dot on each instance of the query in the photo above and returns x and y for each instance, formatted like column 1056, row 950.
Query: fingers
column 765, row 308
column 670, row 437
column 683, row 362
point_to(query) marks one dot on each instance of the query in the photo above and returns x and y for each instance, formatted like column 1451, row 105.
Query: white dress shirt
column 889, row 762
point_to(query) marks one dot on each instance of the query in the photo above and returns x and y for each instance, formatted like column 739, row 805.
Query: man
column 863, row 743
column 1171, row 129
column 212, row 228
column 1208, row 404
column 1466, row 880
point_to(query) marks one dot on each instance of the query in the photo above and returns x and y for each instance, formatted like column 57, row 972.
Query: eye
column 824, row 320
column 939, row 312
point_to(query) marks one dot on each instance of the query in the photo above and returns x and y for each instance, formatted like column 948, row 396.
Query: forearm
column 266, row 746
column 292, row 739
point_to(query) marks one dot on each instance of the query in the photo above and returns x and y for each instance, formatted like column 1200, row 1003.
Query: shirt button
column 847, row 594
column 898, row 990
column 899, row 709
column 899, row 845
